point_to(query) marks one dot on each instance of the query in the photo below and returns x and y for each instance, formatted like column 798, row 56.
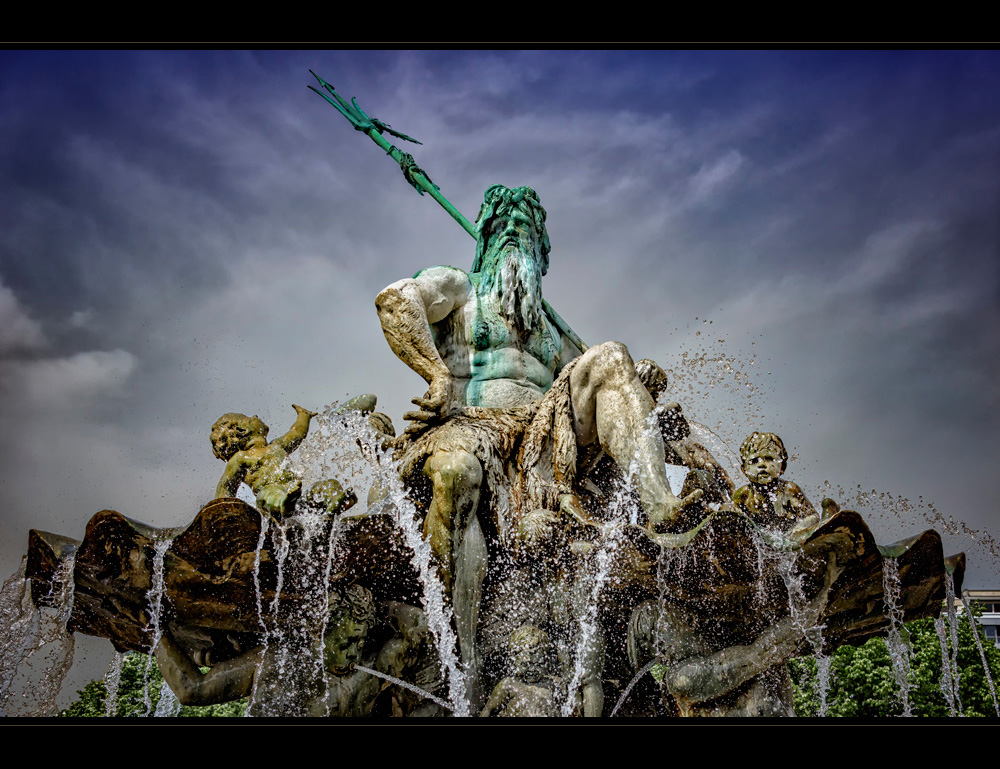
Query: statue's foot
column 571, row 508
column 678, row 515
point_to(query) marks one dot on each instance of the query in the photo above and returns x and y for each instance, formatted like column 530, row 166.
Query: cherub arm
column 407, row 309
column 224, row 682
column 742, row 499
column 232, row 476
column 297, row 432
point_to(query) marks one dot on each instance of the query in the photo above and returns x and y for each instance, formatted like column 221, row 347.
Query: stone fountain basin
column 211, row 594
column 714, row 574
column 717, row 576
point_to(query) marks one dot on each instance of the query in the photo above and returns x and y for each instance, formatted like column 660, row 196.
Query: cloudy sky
column 808, row 242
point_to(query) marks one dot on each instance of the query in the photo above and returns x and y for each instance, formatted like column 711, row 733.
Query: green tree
column 139, row 674
column 862, row 683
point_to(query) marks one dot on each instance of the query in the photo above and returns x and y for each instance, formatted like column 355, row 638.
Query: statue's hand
column 671, row 516
column 433, row 406
column 277, row 499
column 300, row 411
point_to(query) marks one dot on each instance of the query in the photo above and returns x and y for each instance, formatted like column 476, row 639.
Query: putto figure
column 241, row 442
column 770, row 500
column 532, row 690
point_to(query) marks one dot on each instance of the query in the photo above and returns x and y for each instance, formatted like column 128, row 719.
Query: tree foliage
column 862, row 683
column 139, row 690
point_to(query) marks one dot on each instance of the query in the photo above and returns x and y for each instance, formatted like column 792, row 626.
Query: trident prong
column 360, row 119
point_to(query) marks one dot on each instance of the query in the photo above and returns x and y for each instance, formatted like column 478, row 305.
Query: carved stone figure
column 698, row 678
column 511, row 398
column 532, row 690
column 341, row 690
column 241, row 442
column 771, row 501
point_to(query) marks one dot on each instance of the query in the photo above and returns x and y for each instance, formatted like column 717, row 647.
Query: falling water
column 112, row 680
column 439, row 615
column 264, row 526
column 588, row 631
column 330, row 549
column 622, row 508
column 42, row 642
column 947, row 683
column 260, row 700
column 982, row 652
column 345, row 445
column 631, row 684
column 823, row 680
column 898, row 651
column 154, row 600
column 168, row 706
column 949, row 585
column 290, row 678
column 19, row 630
column 784, row 560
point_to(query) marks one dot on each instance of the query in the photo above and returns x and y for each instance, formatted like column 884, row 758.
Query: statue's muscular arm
column 407, row 309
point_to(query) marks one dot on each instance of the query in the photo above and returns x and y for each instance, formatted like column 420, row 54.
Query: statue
column 519, row 462
column 531, row 691
column 342, row 690
column 769, row 500
column 241, row 442
column 499, row 371
column 511, row 401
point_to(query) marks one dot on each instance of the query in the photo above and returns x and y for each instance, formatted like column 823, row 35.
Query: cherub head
column 233, row 432
column 764, row 457
column 532, row 653
column 351, row 615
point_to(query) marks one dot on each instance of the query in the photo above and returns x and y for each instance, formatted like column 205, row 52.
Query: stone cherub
column 771, row 501
column 532, row 690
column 241, row 442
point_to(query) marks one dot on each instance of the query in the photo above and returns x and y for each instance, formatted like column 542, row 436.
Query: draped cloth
column 528, row 453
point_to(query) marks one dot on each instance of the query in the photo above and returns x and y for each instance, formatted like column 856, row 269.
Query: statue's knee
column 611, row 362
column 455, row 468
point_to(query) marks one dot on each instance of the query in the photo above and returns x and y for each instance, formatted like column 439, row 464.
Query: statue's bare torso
column 491, row 364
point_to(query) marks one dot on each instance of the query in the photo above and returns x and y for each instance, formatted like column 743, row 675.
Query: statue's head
column 503, row 207
column 511, row 256
column 351, row 614
column 532, row 653
column 764, row 457
column 233, row 432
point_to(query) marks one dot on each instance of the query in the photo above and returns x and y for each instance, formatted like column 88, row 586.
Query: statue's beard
column 516, row 283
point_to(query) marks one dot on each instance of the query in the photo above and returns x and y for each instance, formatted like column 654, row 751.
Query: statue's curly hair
column 356, row 601
column 247, row 425
column 756, row 442
column 498, row 201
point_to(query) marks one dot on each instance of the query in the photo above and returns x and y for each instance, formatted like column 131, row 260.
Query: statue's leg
column 457, row 541
column 611, row 406
column 456, row 477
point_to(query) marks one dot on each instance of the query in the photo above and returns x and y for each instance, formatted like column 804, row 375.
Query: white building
column 989, row 602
